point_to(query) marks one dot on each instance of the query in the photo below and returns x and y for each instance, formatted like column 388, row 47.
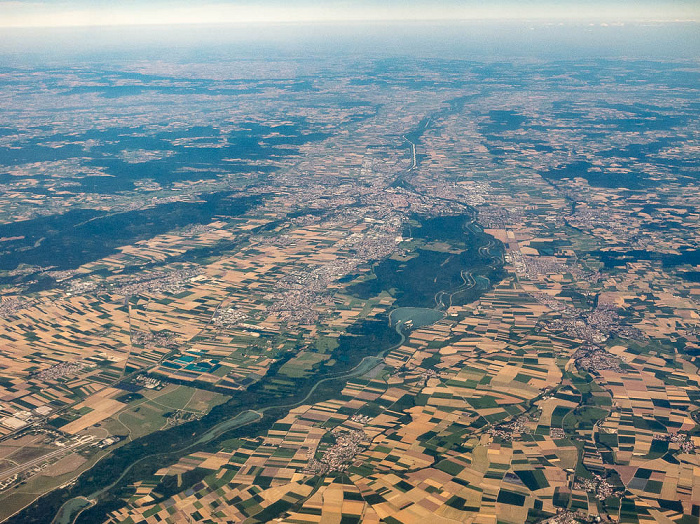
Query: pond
column 417, row 316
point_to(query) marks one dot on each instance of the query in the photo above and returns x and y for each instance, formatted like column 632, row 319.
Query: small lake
column 420, row 316
column 70, row 509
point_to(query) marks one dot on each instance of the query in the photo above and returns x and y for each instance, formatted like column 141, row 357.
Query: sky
column 69, row 13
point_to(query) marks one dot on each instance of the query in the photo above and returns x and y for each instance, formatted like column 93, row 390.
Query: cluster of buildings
column 11, row 305
column 685, row 444
column 564, row 516
column 512, row 429
column 228, row 317
column 148, row 382
column 598, row 485
column 170, row 281
column 61, row 370
column 595, row 326
column 593, row 358
column 153, row 338
column 348, row 444
column 301, row 296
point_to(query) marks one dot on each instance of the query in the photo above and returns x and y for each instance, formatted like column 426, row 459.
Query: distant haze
column 65, row 13
column 462, row 40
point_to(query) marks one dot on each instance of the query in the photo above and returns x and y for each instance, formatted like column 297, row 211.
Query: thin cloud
column 15, row 13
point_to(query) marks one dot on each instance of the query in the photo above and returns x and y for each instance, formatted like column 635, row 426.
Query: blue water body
column 418, row 316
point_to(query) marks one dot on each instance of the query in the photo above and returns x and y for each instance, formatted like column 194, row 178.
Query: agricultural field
column 350, row 288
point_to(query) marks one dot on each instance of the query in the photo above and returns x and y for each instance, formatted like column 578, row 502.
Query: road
column 414, row 164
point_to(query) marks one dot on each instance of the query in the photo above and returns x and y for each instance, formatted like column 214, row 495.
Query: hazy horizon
column 462, row 40
column 72, row 13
